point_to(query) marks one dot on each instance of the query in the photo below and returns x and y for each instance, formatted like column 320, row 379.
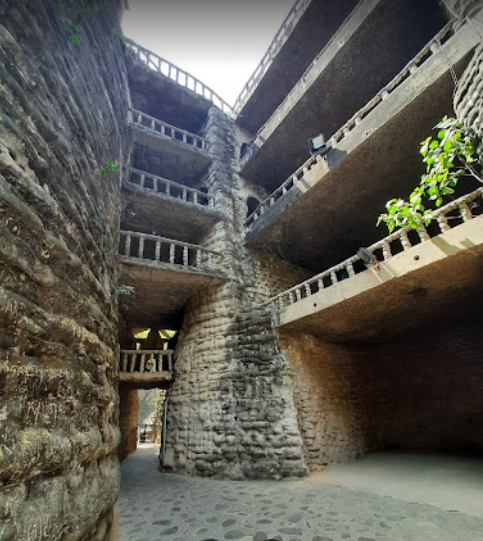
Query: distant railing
column 154, row 249
column 151, row 123
column 142, row 361
column 183, row 78
column 455, row 213
column 277, row 42
column 427, row 52
column 170, row 188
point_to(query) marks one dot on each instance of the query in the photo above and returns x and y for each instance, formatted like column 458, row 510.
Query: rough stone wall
column 331, row 401
column 418, row 391
column 63, row 111
column 463, row 8
column 468, row 101
column 128, row 421
column 230, row 412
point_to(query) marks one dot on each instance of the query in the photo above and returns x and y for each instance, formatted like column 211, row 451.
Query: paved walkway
column 380, row 497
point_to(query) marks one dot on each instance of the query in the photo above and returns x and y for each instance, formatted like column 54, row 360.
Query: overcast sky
column 220, row 42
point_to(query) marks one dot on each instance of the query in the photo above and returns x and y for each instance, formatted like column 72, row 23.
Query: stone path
column 154, row 506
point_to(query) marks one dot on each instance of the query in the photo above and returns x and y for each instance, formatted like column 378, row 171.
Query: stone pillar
column 128, row 421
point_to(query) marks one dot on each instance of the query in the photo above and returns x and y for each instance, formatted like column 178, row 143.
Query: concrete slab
column 372, row 46
column 334, row 209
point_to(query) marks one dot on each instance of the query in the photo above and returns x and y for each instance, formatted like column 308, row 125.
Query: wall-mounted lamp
column 317, row 144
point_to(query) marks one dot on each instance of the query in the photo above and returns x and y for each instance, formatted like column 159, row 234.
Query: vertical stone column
column 128, row 421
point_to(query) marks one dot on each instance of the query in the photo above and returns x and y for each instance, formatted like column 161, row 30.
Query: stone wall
column 417, row 391
column 63, row 111
column 128, row 421
column 230, row 412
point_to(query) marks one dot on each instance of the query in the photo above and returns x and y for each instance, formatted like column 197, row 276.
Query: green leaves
column 108, row 167
column 124, row 289
column 74, row 14
column 447, row 158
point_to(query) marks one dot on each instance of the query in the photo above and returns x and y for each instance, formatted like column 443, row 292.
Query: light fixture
column 317, row 144
column 368, row 258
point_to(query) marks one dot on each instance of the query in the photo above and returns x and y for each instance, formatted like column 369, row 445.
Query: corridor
column 385, row 496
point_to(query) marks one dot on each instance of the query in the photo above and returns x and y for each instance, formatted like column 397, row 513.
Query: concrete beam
column 442, row 277
column 370, row 48
column 333, row 211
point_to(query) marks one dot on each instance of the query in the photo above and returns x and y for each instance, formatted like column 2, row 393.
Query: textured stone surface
column 171, row 507
column 63, row 110
column 128, row 420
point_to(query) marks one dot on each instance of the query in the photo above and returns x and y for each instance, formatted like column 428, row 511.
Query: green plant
column 448, row 157
column 108, row 167
column 74, row 14
column 124, row 289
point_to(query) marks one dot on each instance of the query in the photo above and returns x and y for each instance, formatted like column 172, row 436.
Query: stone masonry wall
column 62, row 116
column 230, row 411
column 418, row 391
column 128, row 421
column 331, row 401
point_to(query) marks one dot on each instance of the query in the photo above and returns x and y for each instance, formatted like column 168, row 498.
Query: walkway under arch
column 396, row 496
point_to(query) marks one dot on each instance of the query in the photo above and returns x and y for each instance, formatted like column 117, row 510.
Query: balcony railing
column 183, row 78
column 154, row 249
column 427, row 52
column 139, row 118
column 145, row 361
column 168, row 187
column 279, row 39
column 446, row 218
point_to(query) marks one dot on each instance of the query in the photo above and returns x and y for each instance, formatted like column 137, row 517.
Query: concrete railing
column 139, row 118
column 154, row 249
column 181, row 77
column 168, row 187
column 142, row 361
column 277, row 42
column 459, row 210
column 427, row 52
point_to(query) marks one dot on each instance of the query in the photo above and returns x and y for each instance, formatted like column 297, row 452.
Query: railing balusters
column 465, row 212
column 443, row 223
column 386, row 251
column 157, row 252
column 350, row 270
column 185, row 256
column 171, row 253
column 406, row 244
column 124, row 362
column 198, row 259
column 141, row 247
column 128, row 245
column 333, row 277
column 422, row 232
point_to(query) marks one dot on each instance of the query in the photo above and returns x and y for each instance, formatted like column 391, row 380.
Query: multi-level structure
column 289, row 353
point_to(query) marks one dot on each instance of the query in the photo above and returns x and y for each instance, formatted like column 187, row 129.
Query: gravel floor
column 154, row 506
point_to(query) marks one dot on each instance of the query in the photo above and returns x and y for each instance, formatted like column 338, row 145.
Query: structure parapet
column 179, row 76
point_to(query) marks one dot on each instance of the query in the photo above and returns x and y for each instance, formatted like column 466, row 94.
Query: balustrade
column 152, row 248
column 169, row 187
column 146, row 121
column 427, row 52
column 181, row 77
column 388, row 247
column 145, row 361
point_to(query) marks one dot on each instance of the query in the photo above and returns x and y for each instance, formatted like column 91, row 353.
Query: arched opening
column 252, row 204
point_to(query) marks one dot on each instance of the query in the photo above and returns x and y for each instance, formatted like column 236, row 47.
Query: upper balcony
column 305, row 31
column 165, row 273
column 323, row 212
column 179, row 154
column 146, row 369
column 153, row 203
column 186, row 100
column 371, row 46
column 420, row 276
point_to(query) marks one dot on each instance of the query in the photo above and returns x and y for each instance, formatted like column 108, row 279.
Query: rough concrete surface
column 170, row 507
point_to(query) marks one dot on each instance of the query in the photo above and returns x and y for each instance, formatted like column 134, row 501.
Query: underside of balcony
column 369, row 50
column 333, row 209
column 437, row 280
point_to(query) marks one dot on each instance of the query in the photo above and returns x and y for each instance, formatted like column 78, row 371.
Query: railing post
column 333, row 277
column 404, row 240
column 157, row 252
column 168, row 188
column 132, row 362
column 423, row 234
column 185, row 194
column 350, row 270
column 386, row 251
column 171, row 253
column 143, row 362
column 198, row 258
column 443, row 223
column 155, row 184
column 124, row 362
column 298, row 294
column 465, row 211
column 308, row 291
column 185, row 256
column 142, row 180
column 195, row 198
column 141, row 248
column 152, row 360
column 320, row 284
column 128, row 245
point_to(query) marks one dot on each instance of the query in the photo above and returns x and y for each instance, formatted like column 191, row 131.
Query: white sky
column 220, row 42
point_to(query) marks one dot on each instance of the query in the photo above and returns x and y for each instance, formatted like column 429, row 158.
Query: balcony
column 158, row 204
column 164, row 273
column 419, row 274
column 370, row 159
column 184, row 155
column 145, row 369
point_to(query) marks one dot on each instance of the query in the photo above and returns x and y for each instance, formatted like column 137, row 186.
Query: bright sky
column 220, row 42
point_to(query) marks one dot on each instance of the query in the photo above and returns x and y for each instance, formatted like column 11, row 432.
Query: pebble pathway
column 156, row 506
